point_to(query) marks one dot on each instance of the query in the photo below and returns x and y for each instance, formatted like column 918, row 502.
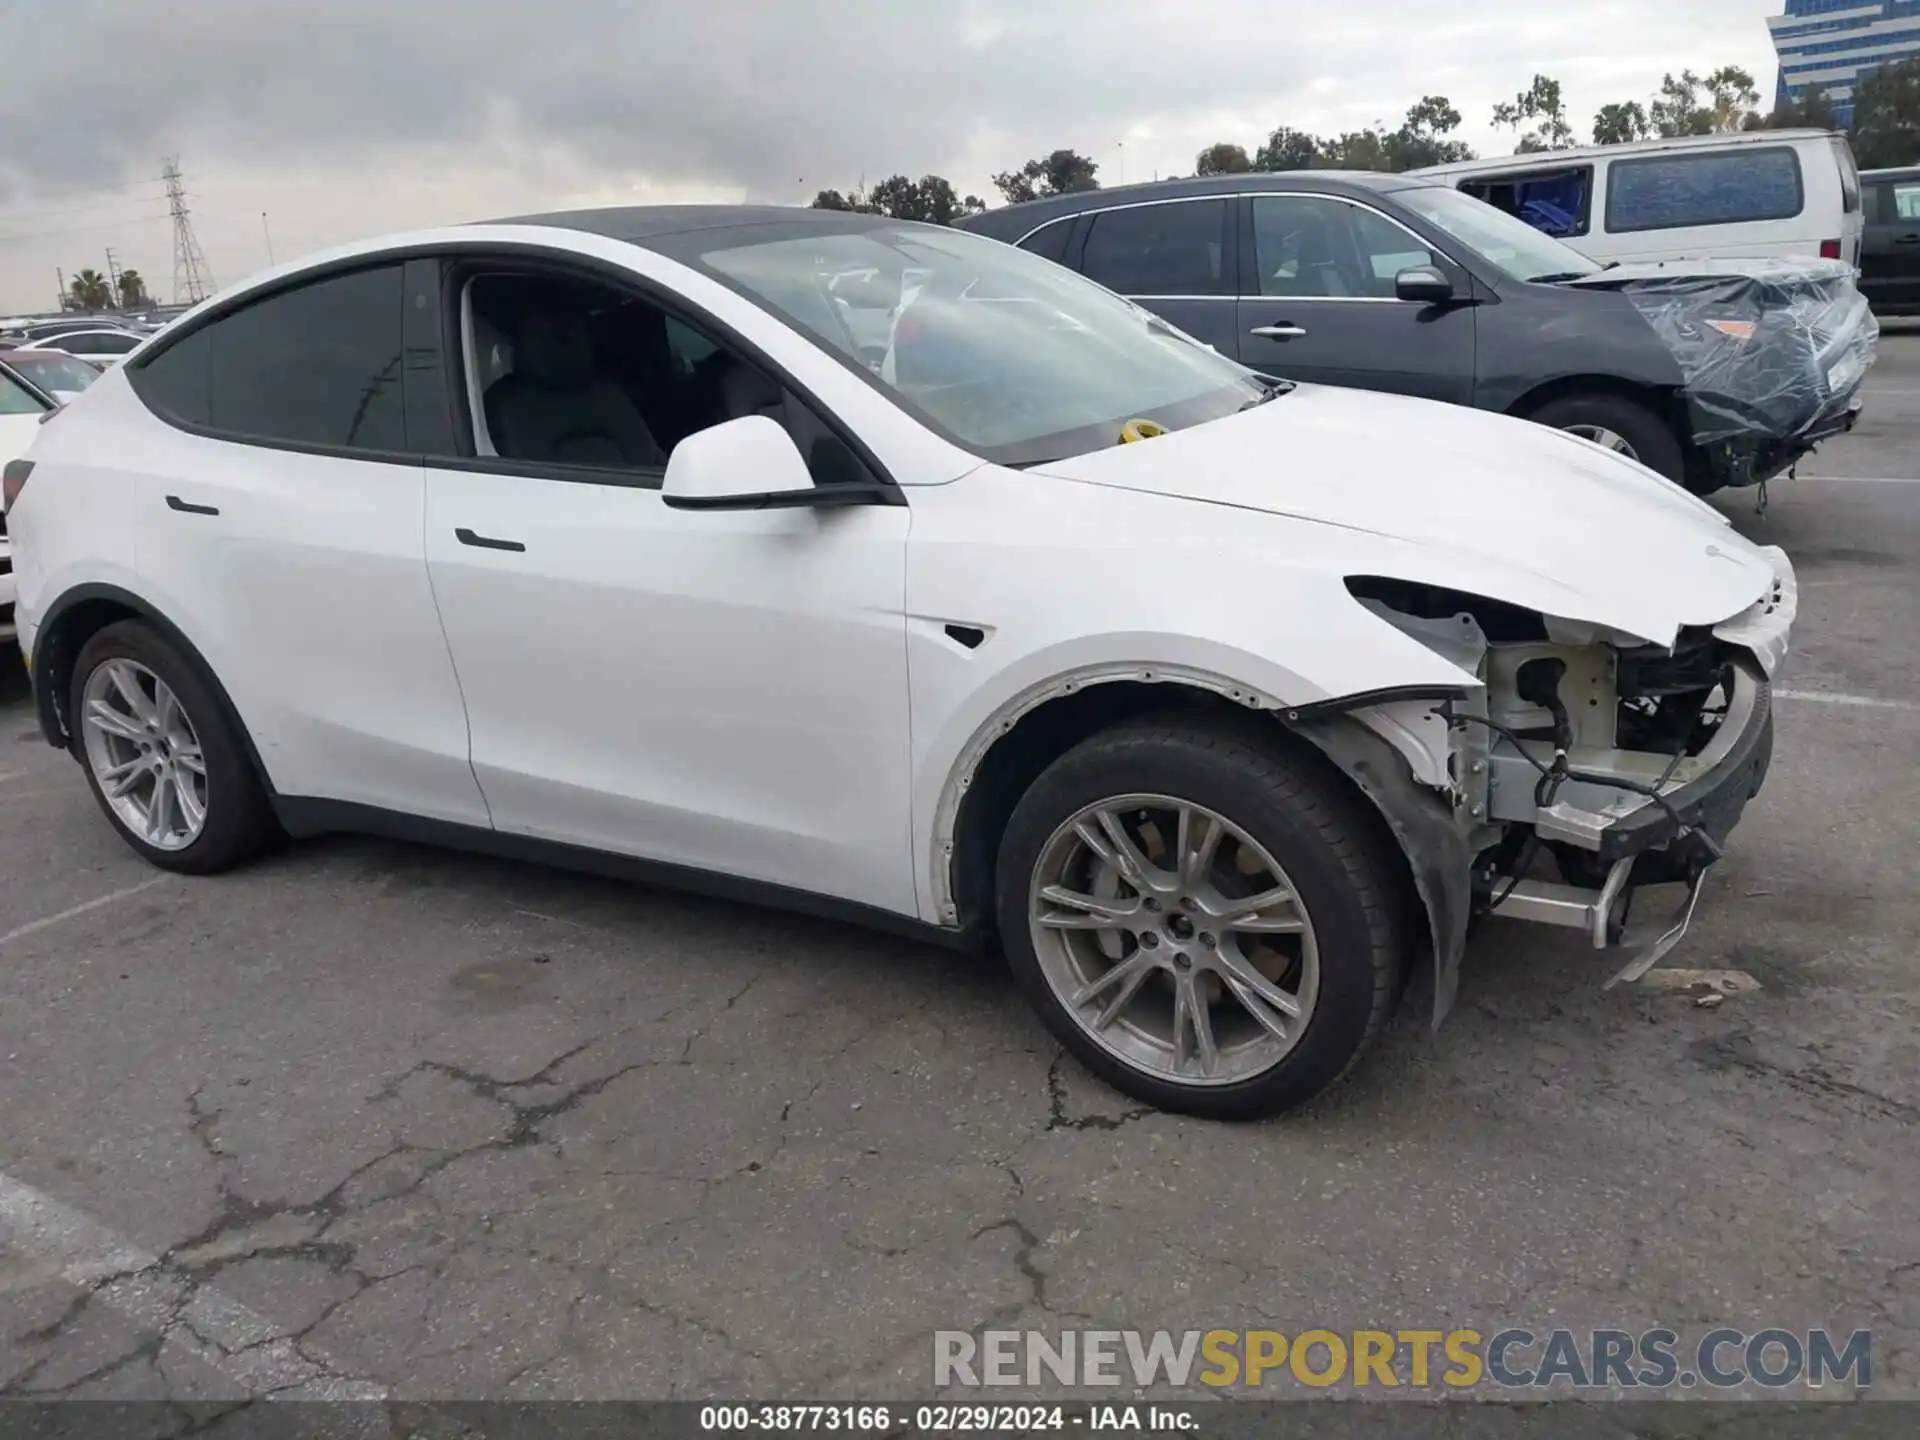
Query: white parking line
column 193, row 1318
column 1857, row 479
column 1834, row 697
column 33, row 927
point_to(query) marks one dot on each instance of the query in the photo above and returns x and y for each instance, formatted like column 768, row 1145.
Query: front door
column 1173, row 257
column 724, row 690
column 1890, row 251
column 1317, row 302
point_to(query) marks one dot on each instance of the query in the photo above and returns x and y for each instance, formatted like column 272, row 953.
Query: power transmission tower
column 113, row 276
column 191, row 277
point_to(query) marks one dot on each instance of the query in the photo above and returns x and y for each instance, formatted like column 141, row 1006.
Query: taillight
column 1829, row 249
column 13, row 479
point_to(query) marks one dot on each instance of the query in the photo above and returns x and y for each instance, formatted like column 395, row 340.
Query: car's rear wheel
column 1206, row 921
column 1624, row 426
column 161, row 755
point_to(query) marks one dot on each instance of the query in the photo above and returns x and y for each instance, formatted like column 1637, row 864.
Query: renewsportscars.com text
column 1510, row 1358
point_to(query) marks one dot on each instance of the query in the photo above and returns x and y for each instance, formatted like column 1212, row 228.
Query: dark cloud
column 346, row 112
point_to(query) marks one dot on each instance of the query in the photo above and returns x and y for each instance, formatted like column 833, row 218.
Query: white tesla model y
column 873, row 567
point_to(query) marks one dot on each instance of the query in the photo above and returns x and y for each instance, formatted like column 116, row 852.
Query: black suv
column 1890, row 249
column 1389, row 282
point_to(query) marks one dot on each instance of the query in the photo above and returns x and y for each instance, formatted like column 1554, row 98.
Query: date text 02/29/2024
column 942, row 1419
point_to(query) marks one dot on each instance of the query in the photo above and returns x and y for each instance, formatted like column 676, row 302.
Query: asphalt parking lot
column 373, row 1119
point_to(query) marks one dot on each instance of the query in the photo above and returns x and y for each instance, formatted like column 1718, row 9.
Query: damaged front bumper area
column 1590, row 783
column 1630, row 841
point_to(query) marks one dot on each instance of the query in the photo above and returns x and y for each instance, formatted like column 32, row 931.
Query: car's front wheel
column 1614, row 422
column 1204, row 919
column 161, row 756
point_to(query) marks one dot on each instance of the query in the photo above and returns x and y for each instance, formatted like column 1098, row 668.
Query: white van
column 1762, row 192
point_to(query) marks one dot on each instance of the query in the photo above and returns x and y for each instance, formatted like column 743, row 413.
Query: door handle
column 1277, row 332
column 483, row 542
column 187, row 507
column 1906, row 239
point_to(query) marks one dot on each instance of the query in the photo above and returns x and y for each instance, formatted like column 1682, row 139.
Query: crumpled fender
column 1436, row 847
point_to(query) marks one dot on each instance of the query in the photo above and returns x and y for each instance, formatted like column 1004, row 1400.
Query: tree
column 1287, row 149
column 1420, row 140
column 1731, row 96
column 1222, row 159
column 1714, row 104
column 1812, row 110
column 931, row 198
column 834, row 200
column 1541, row 106
column 1619, row 124
column 90, row 291
column 1886, row 116
column 133, row 290
column 1355, row 150
column 1064, row 172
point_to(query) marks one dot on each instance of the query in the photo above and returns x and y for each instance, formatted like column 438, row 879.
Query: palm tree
column 133, row 291
column 90, row 291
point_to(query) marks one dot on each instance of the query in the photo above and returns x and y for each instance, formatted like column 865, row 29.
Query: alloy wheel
column 1606, row 439
column 145, row 754
column 1174, row 940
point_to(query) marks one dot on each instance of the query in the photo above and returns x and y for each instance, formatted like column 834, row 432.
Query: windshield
column 55, row 371
column 1510, row 245
column 1008, row 355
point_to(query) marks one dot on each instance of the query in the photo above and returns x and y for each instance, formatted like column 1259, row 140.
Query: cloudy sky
column 340, row 118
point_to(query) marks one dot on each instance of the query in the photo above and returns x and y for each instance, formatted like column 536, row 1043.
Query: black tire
column 239, row 822
column 1652, row 438
column 1331, row 850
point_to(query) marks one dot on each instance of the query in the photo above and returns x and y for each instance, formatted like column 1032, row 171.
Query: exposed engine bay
column 1591, row 765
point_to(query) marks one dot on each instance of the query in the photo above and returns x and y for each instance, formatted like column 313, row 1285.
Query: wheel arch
column 1031, row 733
column 1661, row 400
column 75, row 618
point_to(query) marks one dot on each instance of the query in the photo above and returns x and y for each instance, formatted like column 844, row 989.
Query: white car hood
column 1484, row 504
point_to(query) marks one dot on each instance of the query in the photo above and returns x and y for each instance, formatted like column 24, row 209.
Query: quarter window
column 1177, row 248
column 1049, row 242
column 316, row 365
column 1732, row 187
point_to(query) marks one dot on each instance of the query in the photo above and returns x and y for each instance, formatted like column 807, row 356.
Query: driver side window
column 572, row 372
column 1316, row 246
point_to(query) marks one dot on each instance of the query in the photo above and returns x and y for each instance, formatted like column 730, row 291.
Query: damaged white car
column 1014, row 616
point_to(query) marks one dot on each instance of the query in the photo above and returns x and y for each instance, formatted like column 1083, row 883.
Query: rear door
column 1890, row 255
column 280, row 515
column 1174, row 257
column 1317, row 301
column 1737, row 201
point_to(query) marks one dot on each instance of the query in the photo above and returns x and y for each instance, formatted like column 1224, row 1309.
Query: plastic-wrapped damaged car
column 1711, row 373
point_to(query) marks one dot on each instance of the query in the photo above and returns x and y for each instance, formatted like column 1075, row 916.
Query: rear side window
column 1730, row 187
column 1175, row 248
column 316, row 365
column 1049, row 242
column 1554, row 202
column 96, row 344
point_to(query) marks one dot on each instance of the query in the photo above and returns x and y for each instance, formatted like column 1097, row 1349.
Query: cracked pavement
column 369, row 1119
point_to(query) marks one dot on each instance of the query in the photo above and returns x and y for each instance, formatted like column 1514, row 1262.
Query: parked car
column 1768, row 193
column 31, row 330
column 1217, row 699
column 104, row 347
column 22, row 406
column 1711, row 374
column 1890, row 255
column 60, row 375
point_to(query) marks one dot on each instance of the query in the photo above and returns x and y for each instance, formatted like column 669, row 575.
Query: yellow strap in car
column 1140, row 430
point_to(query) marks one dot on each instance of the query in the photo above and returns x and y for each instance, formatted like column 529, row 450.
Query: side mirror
column 1424, row 284
column 750, row 464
